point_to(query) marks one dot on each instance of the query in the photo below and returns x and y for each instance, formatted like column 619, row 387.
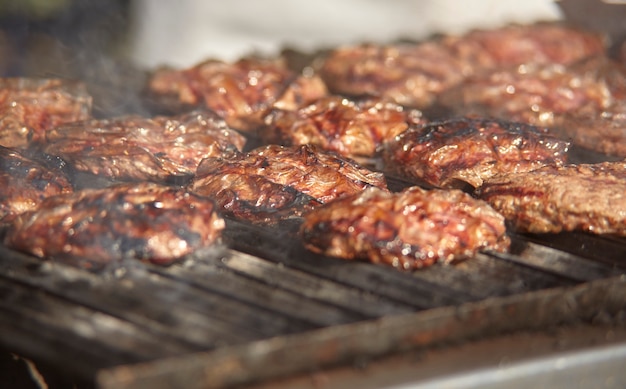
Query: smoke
column 76, row 39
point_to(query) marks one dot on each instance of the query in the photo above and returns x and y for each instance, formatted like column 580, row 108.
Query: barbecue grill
column 260, row 311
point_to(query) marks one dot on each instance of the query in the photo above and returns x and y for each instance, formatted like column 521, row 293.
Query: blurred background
column 63, row 34
column 111, row 44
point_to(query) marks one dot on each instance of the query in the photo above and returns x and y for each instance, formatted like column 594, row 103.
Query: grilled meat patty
column 25, row 183
column 137, row 148
column 415, row 74
column 353, row 128
column 273, row 183
column 29, row 107
column 96, row 227
column 408, row 230
column 586, row 197
column 469, row 150
column 241, row 92
column 583, row 102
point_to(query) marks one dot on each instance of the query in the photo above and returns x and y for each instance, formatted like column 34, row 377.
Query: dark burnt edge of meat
column 110, row 240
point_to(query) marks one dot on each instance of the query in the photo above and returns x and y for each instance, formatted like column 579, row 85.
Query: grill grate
column 262, row 284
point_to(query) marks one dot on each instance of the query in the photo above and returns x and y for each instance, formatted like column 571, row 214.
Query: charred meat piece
column 97, row 227
column 577, row 102
column 29, row 107
column 587, row 197
column 274, row 183
column 25, row 183
column 469, row 150
column 137, row 148
column 415, row 74
column 408, row 230
column 353, row 128
column 240, row 92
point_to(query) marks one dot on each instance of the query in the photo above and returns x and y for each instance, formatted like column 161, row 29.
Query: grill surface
column 262, row 284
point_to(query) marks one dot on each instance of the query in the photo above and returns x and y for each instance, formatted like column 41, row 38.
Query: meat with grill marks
column 584, row 197
column 353, row 128
column 583, row 102
column 29, row 107
column 94, row 228
column 461, row 151
column 241, row 92
column 135, row 148
column 274, row 183
column 408, row 230
column 25, row 183
column 414, row 74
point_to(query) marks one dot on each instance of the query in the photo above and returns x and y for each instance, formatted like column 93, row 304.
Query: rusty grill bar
column 262, row 285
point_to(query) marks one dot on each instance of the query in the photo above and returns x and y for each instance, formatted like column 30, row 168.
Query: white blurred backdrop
column 184, row 32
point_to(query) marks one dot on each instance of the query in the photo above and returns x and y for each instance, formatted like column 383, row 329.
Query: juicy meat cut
column 408, row 230
column 414, row 74
column 96, row 227
column 353, row 128
column 275, row 182
column 137, row 148
column 453, row 152
column 29, row 107
column 582, row 102
column 585, row 197
column 25, row 183
column 241, row 92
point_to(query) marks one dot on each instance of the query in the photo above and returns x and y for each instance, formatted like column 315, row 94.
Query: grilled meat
column 30, row 107
column 578, row 102
column 587, row 197
column 409, row 74
column 96, row 227
column 138, row 148
column 408, row 230
column 415, row 74
column 273, row 183
column 25, row 183
column 536, row 43
column 240, row 92
column 469, row 150
column 353, row 128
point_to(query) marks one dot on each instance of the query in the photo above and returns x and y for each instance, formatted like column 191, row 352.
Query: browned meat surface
column 469, row 150
column 415, row 74
column 272, row 183
column 537, row 43
column 97, row 227
column 587, row 197
column 30, row 107
column 241, row 92
column 25, row 183
column 353, row 128
column 582, row 102
column 409, row 74
column 408, row 230
column 138, row 148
